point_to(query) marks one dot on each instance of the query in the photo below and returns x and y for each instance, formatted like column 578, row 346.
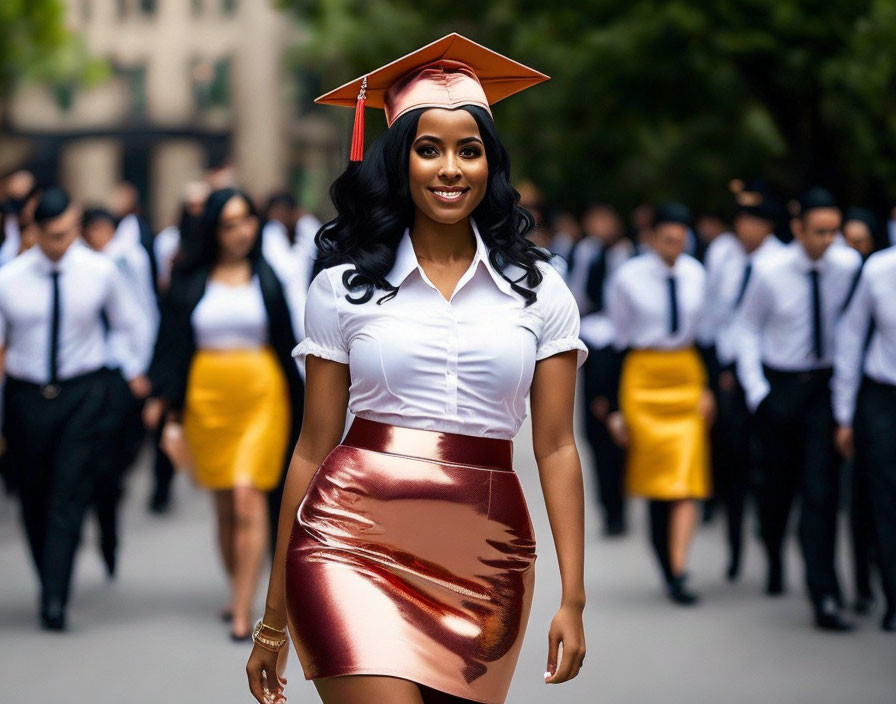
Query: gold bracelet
column 265, row 642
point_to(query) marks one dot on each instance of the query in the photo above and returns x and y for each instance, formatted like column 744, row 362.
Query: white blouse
column 230, row 317
column 462, row 365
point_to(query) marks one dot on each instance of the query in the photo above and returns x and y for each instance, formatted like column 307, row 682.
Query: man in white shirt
column 599, row 258
column 54, row 356
column 864, row 390
column 124, row 427
column 730, row 260
column 786, row 340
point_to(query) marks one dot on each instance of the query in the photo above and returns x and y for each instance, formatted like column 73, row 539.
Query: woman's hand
column 566, row 629
column 706, row 407
column 618, row 429
column 265, row 670
column 153, row 410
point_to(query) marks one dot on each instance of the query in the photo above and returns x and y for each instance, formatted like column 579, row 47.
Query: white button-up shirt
column 88, row 285
column 873, row 300
column 597, row 328
column 775, row 324
column 639, row 304
column 726, row 261
column 462, row 365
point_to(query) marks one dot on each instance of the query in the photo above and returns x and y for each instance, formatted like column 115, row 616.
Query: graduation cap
column 676, row 213
column 448, row 73
column 816, row 198
column 755, row 198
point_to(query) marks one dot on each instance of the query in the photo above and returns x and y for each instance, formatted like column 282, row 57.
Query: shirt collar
column 660, row 263
column 46, row 265
column 804, row 263
column 406, row 262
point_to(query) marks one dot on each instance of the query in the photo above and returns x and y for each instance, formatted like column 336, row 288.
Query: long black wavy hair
column 374, row 207
column 200, row 244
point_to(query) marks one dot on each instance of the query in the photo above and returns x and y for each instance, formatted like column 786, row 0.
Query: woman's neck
column 442, row 243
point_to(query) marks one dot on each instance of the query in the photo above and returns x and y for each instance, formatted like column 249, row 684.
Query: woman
column 222, row 366
column 655, row 302
column 410, row 566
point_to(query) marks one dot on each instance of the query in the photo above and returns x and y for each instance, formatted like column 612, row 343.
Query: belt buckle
column 50, row 391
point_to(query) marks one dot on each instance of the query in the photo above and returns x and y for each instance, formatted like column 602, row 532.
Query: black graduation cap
column 53, row 203
column 756, row 198
column 677, row 213
column 817, row 197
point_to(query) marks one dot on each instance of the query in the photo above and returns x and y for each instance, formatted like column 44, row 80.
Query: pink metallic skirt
column 412, row 556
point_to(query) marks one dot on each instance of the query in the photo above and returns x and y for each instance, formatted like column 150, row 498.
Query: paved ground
column 151, row 636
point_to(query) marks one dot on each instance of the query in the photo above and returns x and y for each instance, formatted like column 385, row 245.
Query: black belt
column 805, row 376
column 889, row 388
column 51, row 391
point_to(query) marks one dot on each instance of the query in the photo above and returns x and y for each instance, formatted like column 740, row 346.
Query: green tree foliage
column 656, row 99
column 35, row 44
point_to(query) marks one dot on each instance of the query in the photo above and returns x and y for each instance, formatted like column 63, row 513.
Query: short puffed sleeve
column 559, row 315
column 323, row 331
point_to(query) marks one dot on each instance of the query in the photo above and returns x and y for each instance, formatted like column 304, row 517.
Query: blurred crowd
column 733, row 366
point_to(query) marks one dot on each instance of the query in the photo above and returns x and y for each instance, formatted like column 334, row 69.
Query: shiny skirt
column 412, row 556
column 236, row 418
column 668, row 453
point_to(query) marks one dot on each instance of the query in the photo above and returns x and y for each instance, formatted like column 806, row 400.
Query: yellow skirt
column 668, row 454
column 236, row 418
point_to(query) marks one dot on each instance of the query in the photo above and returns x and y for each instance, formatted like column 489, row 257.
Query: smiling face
column 448, row 170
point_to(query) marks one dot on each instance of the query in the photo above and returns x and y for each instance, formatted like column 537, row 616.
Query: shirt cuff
column 563, row 345
column 310, row 347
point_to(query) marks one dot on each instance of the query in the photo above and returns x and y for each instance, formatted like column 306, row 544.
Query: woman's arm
column 326, row 400
column 552, row 402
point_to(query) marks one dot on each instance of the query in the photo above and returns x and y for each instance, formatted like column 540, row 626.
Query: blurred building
column 194, row 83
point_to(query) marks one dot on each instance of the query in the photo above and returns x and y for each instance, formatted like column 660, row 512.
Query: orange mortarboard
column 450, row 72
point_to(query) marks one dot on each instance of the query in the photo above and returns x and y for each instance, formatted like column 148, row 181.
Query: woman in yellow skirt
column 655, row 302
column 223, row 369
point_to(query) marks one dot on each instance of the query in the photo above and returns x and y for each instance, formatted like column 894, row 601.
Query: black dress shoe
column 774, row 583
column 888, row 623
column 160, row 501
column 52, row 617
column 863, row 605
column 615, row 529
column 733, row 571
column 680, row 594
column 109, row 559
column 827, row 616
column 241, row 637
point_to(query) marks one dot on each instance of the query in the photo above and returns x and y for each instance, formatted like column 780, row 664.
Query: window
column 135, row 77
column 229, row 7
column 211, row 83
column 147, row 7
column 196, row 6
column 86, row 10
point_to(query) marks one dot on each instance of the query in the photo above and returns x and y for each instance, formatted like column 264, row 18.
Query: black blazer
column 176, row 342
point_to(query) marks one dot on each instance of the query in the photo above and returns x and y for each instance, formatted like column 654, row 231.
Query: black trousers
column 600, row 371
column 53, row 445
column 796, row 426
column 122, row 435
column 875, row 441
column 733, row 458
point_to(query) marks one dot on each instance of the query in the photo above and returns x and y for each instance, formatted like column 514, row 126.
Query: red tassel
column 357, row 152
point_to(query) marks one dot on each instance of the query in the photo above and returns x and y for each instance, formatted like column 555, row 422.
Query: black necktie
column 54, row 329
column 817, row 339
column 748, row 270
column 673, row 306
column 597, row 274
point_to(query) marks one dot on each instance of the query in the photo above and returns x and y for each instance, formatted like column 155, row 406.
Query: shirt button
column 450, row 372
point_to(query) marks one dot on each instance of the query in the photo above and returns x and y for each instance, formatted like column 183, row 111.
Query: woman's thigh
column 363, row 689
